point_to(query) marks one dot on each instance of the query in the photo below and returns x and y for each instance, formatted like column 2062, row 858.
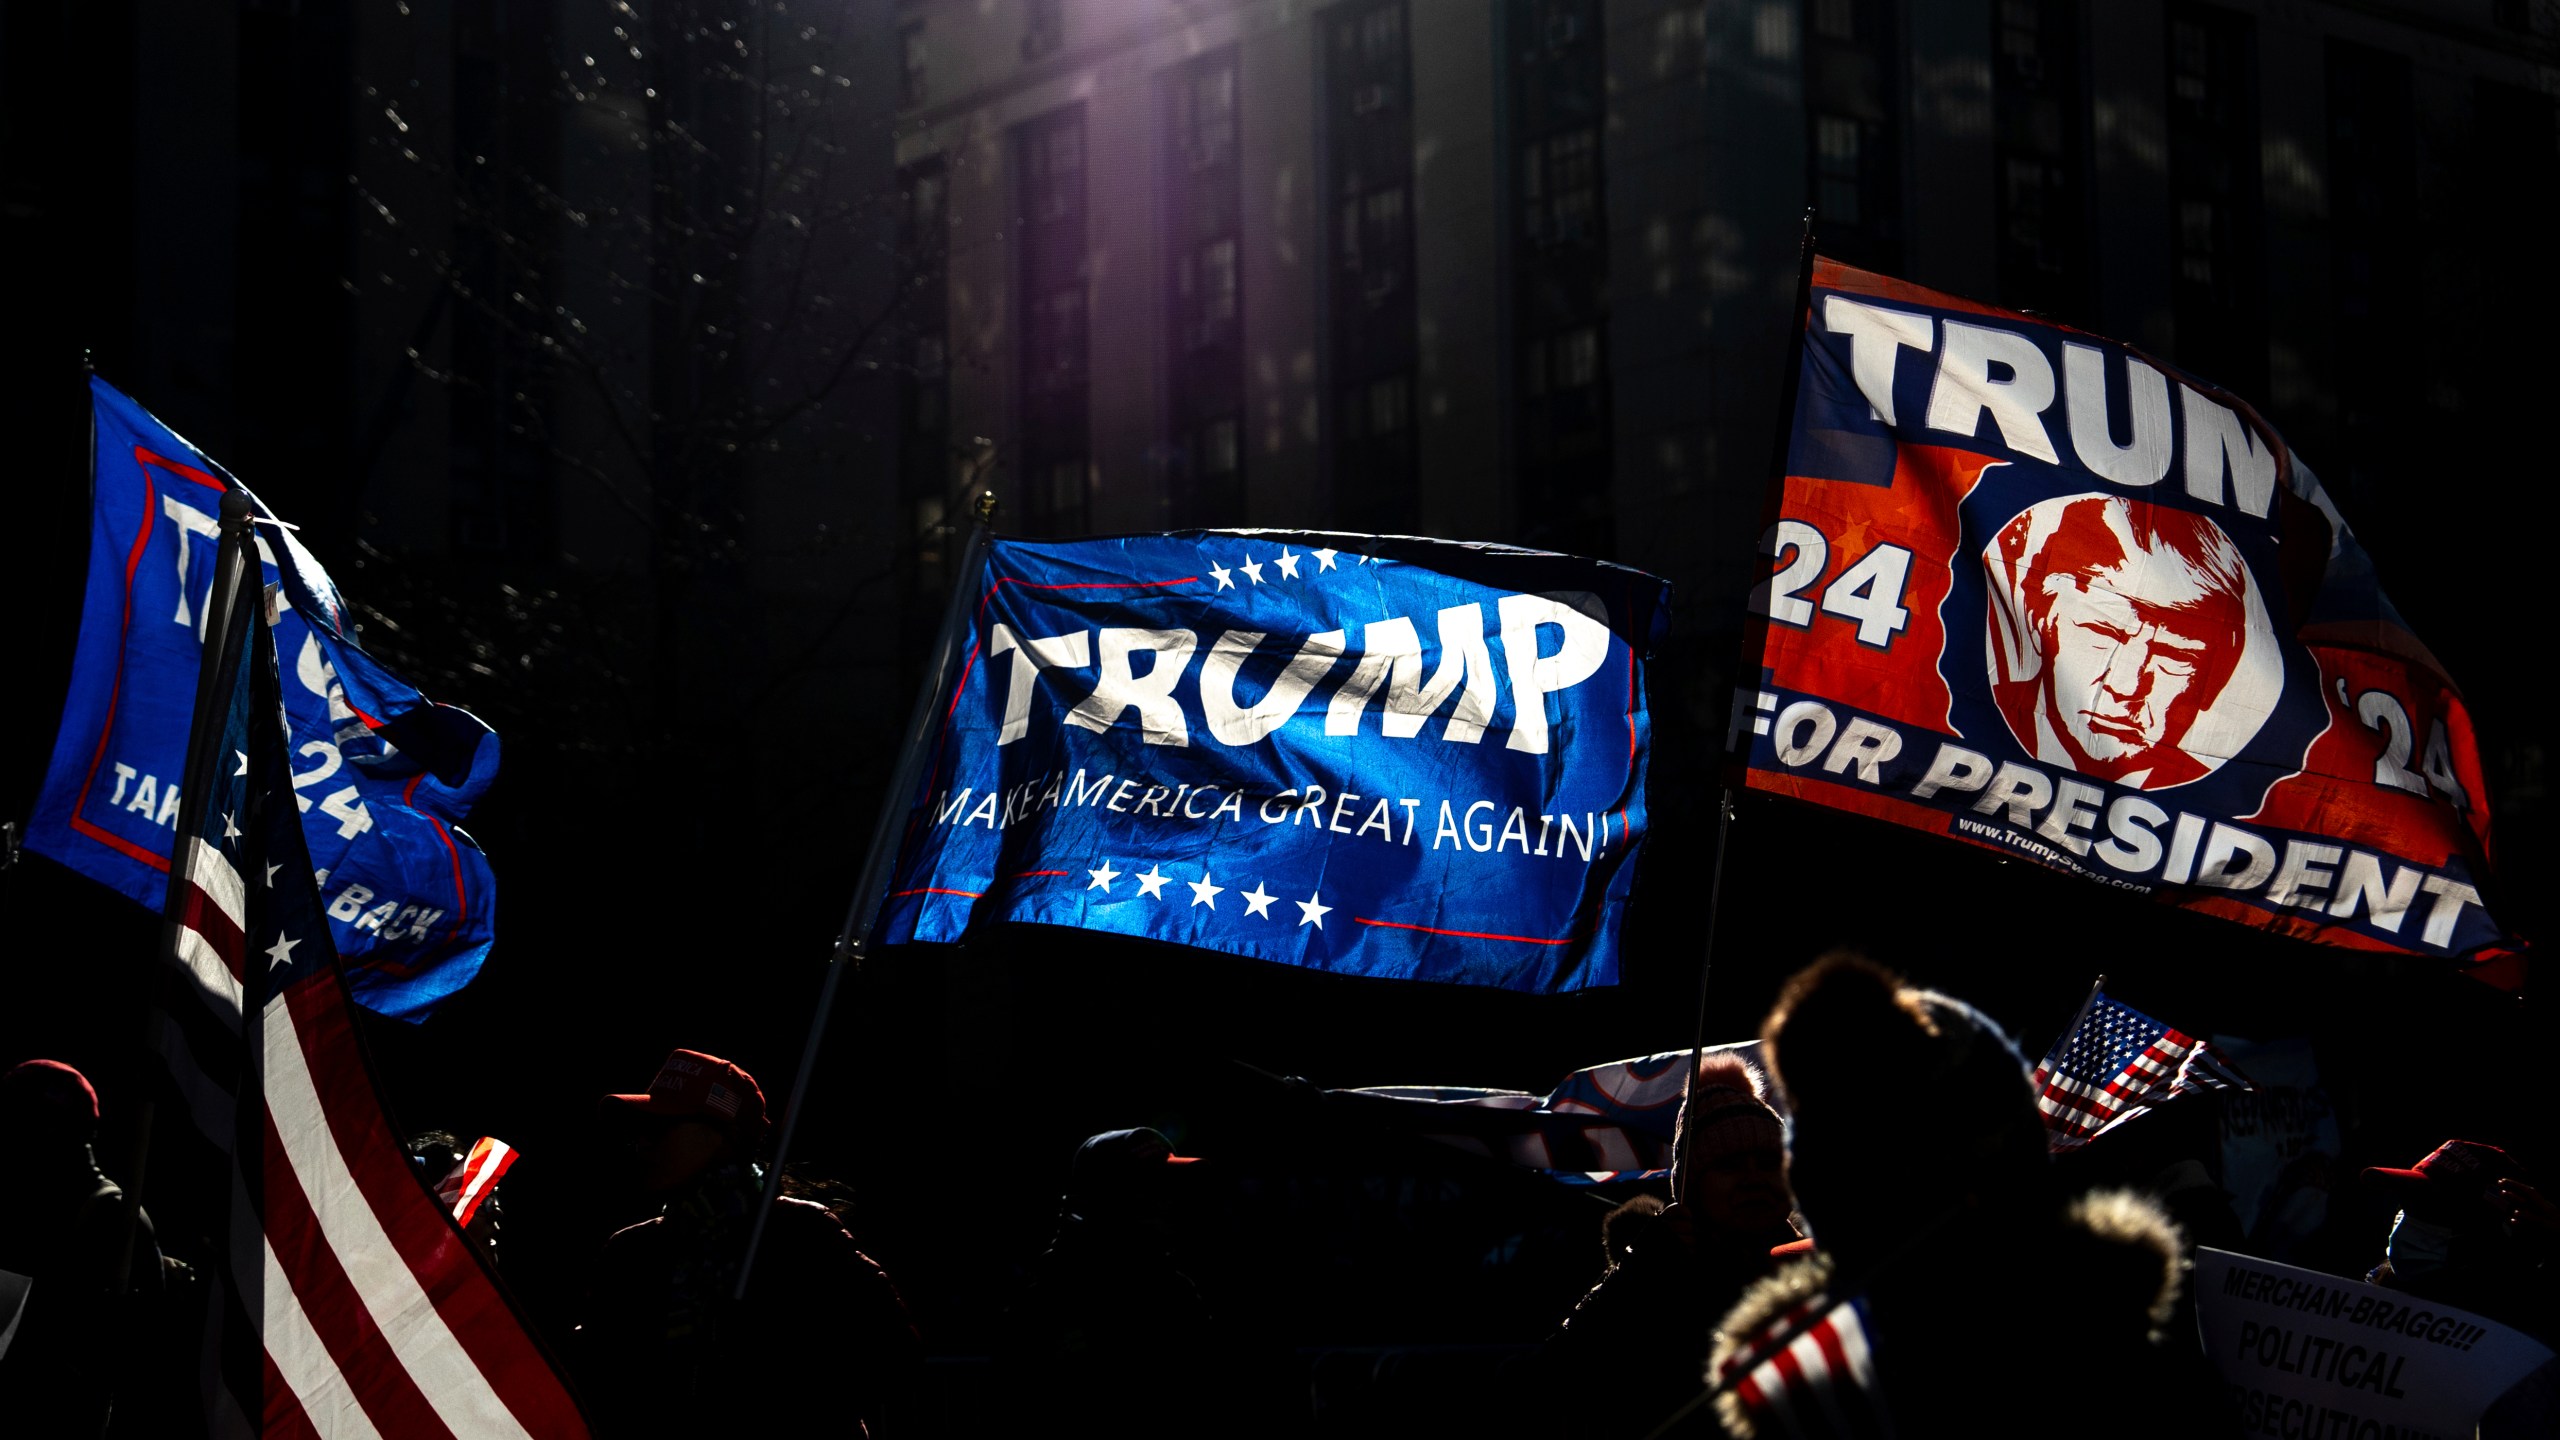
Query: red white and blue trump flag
column 1399, row 758
column 2034, row 590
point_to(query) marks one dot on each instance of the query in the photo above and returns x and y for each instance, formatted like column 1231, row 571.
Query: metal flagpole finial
column 986, row 507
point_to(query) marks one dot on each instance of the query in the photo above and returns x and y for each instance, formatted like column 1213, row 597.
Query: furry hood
column 2116, row 1254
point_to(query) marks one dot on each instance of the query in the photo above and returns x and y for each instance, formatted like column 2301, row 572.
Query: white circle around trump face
column 2127, row 640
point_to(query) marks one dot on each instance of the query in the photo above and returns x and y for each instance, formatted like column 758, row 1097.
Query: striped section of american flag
column 474, row 1176
column 350, row 1304
column 1810, row 1380
column 2116, row 1062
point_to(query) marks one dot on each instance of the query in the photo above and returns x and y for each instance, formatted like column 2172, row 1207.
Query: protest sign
column 2310, row 1354
column 2280, row 1143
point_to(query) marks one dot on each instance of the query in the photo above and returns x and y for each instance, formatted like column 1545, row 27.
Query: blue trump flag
column 382, row 775
column 1399, row 758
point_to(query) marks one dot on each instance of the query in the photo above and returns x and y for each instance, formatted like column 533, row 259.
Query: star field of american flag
column 2116, row 1062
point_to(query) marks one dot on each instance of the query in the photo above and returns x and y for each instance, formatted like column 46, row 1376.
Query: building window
column 2037, row 107
column 2213, row 186
column 1560, row 439
column 1203, row 99
column 1369, row 174
column 1049, row 228
column 1204, row 361
column 1044, row 28
column 1836, row 170
column 924, row 404
column 1853, row 135
column 1560, row 188
column 2374, row 258
column 911, row 64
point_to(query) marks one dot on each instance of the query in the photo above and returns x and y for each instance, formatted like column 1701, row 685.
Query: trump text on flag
column 2033, row 590
column 1427, row 766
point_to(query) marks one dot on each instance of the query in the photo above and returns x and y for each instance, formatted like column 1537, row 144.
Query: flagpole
column 2078, row 1015
column 864, row 912
column 212, row 696
column 1779, row 445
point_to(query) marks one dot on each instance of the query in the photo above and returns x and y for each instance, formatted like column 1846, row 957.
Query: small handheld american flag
column 2115, row 1062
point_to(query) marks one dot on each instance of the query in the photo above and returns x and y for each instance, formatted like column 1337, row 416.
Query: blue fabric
column 385, row 776
column 1303, row 748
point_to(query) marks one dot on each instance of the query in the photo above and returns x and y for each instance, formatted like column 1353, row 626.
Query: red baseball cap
column 1120, row 1158
column 692, row 1085
column 53, row 1096
column 2454, row 1177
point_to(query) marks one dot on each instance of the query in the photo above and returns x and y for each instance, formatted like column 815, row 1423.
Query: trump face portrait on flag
column 2115, row 631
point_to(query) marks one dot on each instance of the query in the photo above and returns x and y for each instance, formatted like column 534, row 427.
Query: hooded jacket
column 2011, row 1331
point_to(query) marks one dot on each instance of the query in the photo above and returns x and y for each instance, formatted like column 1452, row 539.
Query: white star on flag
column 1324, row 558
column 1151, row 884
column 1102, row 878
column 244, row 762
column 281, row 952
column 1257, row 902
column 1288, row 563
column 229, row 830
column 1204, row 891
column 271, row 874
column 1226, row 578
column 1312, row 910
column 1252, row 568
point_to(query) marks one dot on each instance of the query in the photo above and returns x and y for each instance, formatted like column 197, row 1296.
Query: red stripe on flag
column 1791, row 1370
column 283, row 1416
column 461, row 902
column 120, row 845
column 1827, row 1336
column 1463, row 934
column 115, row 692
column 364, row 1358
column 198, row 912
column 435, row 1252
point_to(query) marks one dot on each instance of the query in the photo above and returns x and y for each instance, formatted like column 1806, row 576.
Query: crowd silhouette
column 1873, row 1237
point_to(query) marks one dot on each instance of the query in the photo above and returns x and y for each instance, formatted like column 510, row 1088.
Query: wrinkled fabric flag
column 382, row 775
column 2115, row 1063
column 342, row 1302
column 1398, row 758
column 2036, row 591
column 1600, row 1125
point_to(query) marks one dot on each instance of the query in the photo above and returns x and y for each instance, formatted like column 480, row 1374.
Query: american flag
column 2116, row 1062
column 349, row 1305
column 472, row 1177
column 1806, row 1380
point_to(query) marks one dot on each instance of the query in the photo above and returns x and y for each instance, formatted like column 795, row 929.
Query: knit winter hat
column 1724, row 1114
column 1857, row 1049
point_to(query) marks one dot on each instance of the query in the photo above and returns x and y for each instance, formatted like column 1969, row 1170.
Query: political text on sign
column 2312, row 1354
